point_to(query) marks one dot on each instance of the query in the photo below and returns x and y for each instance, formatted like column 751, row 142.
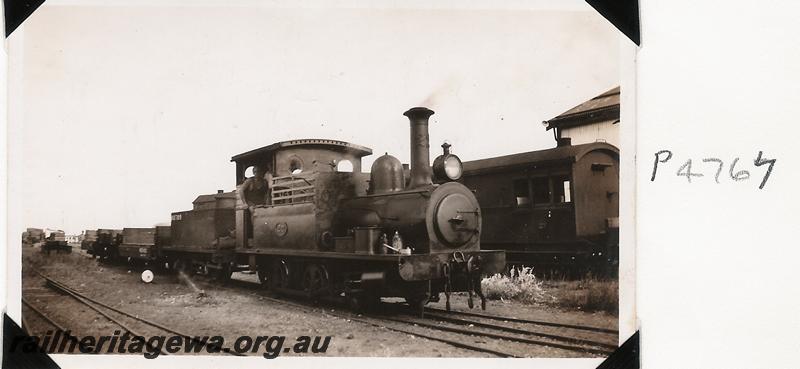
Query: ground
column 222, row 310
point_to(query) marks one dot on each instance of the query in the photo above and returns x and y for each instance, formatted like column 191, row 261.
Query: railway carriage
column 89, row 238
column 141, row 245
column 32, row 236
column 203, row 238
column 106, row 244
column 56, row 241
column 554, row 209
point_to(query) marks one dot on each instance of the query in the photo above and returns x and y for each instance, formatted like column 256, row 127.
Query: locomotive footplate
column 433, row 266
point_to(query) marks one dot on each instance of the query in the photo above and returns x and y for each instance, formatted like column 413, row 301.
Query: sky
column 121, row 115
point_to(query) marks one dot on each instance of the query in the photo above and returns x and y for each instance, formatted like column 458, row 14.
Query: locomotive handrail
column 288, row 189
column 422, row 192
column 289, row 180
column 293, row 189
column 294, row 196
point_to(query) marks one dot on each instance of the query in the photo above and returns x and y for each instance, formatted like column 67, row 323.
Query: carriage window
column 522, row 192
column 561, row 192
column 541, row 191
column 344, row 166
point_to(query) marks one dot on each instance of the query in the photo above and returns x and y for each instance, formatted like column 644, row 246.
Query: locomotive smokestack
column 420, row 147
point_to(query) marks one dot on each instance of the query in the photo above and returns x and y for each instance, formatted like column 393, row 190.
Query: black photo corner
column 625, row 356
column 16, row 11
column 623, row 14
column 13, row 359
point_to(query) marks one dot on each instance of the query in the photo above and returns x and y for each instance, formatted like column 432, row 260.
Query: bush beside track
column 590, row 293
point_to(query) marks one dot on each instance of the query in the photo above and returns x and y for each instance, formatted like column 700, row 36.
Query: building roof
column 602, row 107
column 329, row 144
column 557, row 154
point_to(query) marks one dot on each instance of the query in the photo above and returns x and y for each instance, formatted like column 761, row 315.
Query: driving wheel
column 280, row 275
column 316, row 281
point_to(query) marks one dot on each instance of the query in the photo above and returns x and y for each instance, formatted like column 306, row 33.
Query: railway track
column 495, row 335
column 517, row 334
column 526, row 321
column 115, row 315
column 452, row 328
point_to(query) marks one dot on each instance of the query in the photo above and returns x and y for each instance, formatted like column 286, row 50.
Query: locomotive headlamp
column 447, row 167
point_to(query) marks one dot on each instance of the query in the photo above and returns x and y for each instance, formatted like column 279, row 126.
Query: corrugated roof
column 597, row 108
column 563, row 153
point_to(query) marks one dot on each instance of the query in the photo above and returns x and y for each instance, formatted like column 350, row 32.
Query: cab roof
column 332, row 145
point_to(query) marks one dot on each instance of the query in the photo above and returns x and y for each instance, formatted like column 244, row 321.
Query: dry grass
column 587, row 294
column 520, row 285
column 36, row 260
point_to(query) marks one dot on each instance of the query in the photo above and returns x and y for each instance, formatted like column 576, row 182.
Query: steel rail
column 448, row 329
column 579, row 341
column 517, row 320
column 502, row 337
column 91, row 306
column 439, row 339
column 140, row 319
column 43, row 315
column 454, row 343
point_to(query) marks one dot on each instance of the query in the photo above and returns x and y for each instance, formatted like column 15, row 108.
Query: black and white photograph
column 313, row 179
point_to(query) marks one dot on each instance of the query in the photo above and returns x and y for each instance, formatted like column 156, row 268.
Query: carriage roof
column 558, row 154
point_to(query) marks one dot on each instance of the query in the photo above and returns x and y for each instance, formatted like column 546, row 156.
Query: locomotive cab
column 308, row 176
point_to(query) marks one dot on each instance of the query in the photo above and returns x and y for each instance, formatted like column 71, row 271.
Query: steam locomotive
column 330, row 232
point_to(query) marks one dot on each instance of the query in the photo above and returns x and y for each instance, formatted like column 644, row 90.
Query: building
column 596, row 120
